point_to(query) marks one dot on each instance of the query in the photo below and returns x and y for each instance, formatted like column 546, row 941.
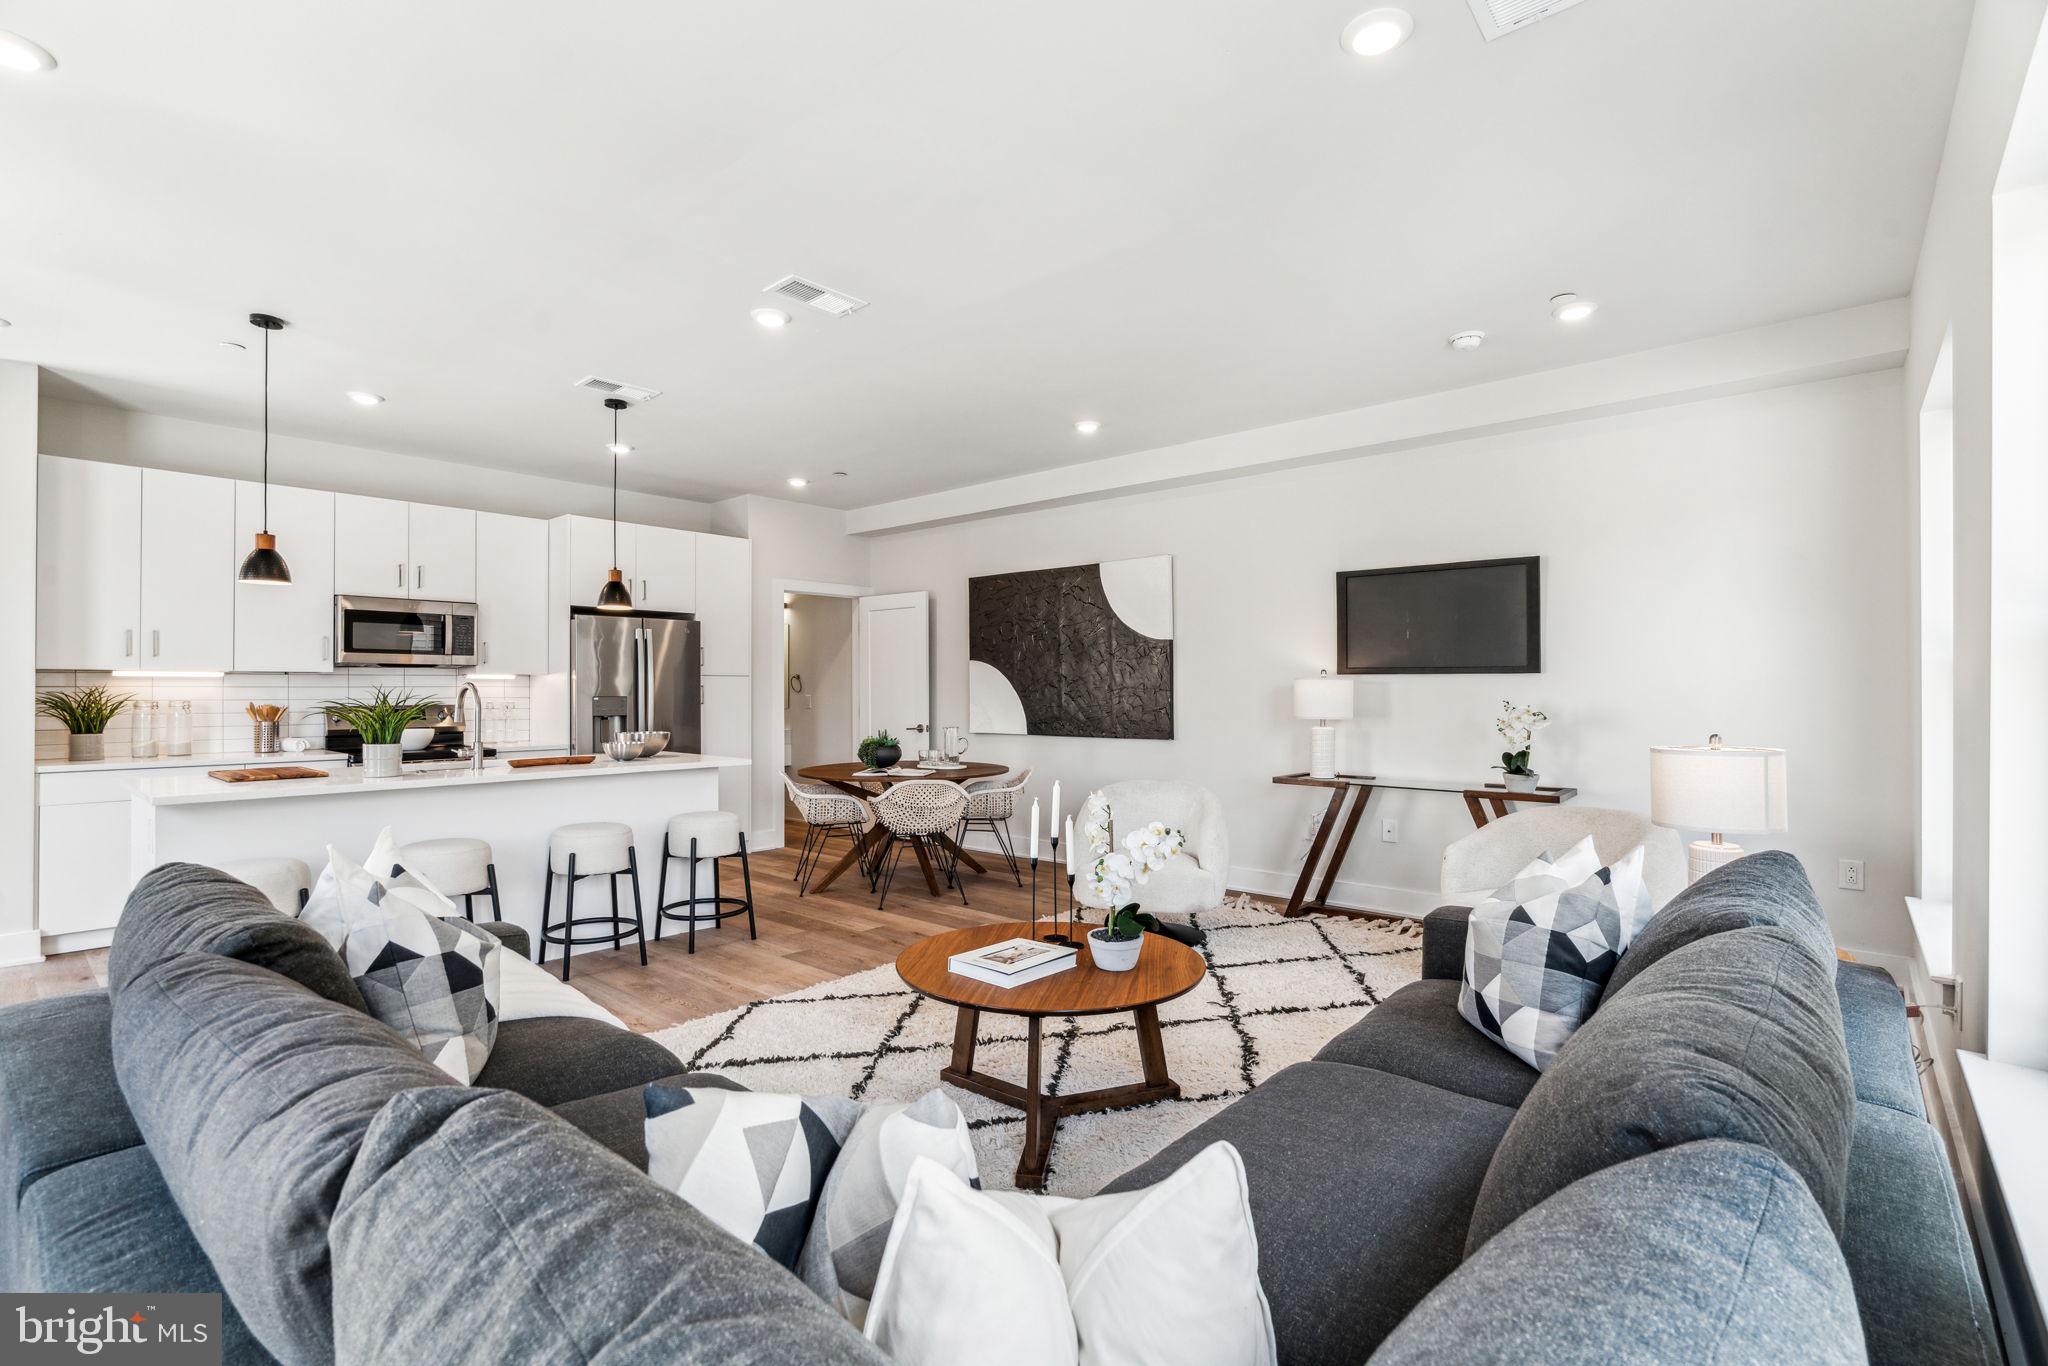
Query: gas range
column 444, row 747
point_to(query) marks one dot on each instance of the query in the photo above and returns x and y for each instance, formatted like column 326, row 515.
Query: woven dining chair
column 917, row 813
column 990, row 803
column 827, row 812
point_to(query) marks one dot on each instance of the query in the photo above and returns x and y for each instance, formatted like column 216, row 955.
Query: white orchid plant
column 1518, row 726
column 1115, row 873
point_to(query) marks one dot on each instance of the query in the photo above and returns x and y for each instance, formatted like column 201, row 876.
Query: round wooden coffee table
column 875, row 842
column 1165, row 969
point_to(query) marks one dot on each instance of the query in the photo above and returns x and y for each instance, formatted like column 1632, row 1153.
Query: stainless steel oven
column 404, row 633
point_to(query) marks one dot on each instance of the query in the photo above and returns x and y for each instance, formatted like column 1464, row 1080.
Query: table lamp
column 1722, row 789
column 1322, row 699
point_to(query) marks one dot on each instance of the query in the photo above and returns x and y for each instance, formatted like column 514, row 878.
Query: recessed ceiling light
column 618, row 448
column 18, row 54
column 1377, row 32
column 797, row 481
column 1467, row 341
column 363, row 398
column 1087, row 426
column 1570, row 308
column 771, row 318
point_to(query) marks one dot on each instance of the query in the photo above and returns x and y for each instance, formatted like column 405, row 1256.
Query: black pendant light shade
column 264, row 564
column 615, row 596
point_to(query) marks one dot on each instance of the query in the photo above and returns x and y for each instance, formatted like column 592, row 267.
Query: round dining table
column 861, row 781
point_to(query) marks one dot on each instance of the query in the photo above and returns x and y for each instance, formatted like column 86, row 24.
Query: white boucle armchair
column 1477, row 865
column 1192, row 882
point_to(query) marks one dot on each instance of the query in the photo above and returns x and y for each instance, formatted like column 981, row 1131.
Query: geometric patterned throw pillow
column 436, row 981
column 753, row 1164
column 843, row 1255
column 1538, row 952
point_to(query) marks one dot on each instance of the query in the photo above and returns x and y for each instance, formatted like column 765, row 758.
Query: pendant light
column 615, row 596
column 264, row 565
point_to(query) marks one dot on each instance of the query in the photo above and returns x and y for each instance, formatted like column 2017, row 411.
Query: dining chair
column 990, row 802
column 917, row 813
column 827, row 812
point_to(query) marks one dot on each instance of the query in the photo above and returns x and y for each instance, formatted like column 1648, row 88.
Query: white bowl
column 417, row 738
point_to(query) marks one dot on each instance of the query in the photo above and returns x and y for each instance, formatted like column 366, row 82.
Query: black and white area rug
column 1277, row 990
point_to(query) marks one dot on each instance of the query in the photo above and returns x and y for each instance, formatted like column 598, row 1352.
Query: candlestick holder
column 1055, row 937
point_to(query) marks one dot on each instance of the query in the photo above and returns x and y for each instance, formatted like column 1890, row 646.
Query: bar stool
column 590, row 849
column 708, row 835
column 455, row 867
column 285, row 882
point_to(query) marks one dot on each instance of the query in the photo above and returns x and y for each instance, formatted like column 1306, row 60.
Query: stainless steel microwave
column 404, row 633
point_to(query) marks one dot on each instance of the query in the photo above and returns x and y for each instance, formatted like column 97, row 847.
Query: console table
column 1355, row 788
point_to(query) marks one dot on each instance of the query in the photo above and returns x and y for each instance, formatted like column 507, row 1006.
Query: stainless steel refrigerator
column 634, row 671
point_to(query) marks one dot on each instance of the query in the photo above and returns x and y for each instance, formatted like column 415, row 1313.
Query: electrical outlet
column 1850, row 878
column 1390, row 830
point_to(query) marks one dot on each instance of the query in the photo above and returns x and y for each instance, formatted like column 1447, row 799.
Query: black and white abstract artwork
column 1083, row 650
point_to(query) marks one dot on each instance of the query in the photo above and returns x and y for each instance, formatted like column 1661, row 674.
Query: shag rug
column 1276, row 991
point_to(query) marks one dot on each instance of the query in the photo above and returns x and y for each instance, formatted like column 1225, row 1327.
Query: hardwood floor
column 804, row 940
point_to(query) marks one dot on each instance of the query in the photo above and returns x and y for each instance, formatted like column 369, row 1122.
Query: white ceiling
column 1184, row 217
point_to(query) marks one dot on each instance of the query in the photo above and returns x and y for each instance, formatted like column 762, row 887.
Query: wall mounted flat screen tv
column 1475, row 617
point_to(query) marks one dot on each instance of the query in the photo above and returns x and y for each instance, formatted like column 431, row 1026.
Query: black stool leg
column 661, row 889
column 547, row 901
column 468, row 909
column 747, row 877
column 639, row 925
column 491, row 884
column 569, row 918
column 618, row 929
column 691, row 904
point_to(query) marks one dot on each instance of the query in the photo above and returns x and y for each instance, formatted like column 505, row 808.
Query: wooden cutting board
column 551, row 760
column 264, row 775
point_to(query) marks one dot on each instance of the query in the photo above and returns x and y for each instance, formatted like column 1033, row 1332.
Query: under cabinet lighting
column 167, row 673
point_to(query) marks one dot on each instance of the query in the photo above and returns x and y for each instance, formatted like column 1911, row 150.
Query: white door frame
column 811, row 587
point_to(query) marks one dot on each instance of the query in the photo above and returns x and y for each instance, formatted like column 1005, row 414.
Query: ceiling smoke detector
column 1498, row 18
column 836, row 302
column 1467, row 341
column 612, row 388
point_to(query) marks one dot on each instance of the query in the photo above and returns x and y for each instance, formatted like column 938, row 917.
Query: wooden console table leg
column 1315, row 850
column 1343, row 845
column 1478, row 811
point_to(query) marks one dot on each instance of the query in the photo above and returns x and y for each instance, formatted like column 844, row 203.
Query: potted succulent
column 1518, row 726
column 85, row 713
column 880, row 750
column 1115, row 875
column 382, row 722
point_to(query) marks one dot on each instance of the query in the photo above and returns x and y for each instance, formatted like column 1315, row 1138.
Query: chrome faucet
column 476, row 739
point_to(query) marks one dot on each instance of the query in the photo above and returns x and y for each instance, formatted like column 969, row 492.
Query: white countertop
column 187, row 788
column 236, row 759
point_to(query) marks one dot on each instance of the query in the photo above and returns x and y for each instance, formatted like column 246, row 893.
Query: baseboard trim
column 22, row 948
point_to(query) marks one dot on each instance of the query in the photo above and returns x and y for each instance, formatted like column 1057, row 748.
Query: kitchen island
column 186, row 816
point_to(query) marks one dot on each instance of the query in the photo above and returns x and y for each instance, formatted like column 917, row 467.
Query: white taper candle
column 1034, row 829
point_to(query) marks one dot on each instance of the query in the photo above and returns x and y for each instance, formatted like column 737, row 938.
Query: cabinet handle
column 419, row 576
column 128, row 643
column 323, row 649
column 485, row 657
column 643, row 590
column 156, row 643
column 401, row 573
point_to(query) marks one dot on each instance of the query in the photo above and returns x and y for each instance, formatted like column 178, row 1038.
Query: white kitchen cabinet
column 725, row 589
column 666, row 561
column 188, row 572
column 443, row 553
column 372, row 546
column 590, row 558
column 287, row 627
column 511, row 594
column 728, row 723
column 88, row 564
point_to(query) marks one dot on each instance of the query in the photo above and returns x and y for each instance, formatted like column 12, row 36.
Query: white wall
column 88, row 431
column 1735, row 565
column 820, row 718
column 19, row 942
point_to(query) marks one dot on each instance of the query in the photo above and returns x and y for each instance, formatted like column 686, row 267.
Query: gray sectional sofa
column 1729, row 1162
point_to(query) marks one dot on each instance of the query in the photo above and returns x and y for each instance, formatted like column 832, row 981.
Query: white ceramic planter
column 1113, row 956
column 1520, row 782
column 383, row 761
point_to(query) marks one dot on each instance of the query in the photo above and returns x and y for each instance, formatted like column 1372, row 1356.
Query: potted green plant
column 382, row 722
column 1518, row 726
column 880, row 750
column 85, row 713
column 1115, row 875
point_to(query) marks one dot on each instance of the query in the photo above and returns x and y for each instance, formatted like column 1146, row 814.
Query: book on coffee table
column 1013, row 962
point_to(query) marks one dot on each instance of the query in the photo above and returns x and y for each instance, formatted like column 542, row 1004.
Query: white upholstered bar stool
column 286, row 882
column 699, row 835
column 455, row 867
column 590, row 849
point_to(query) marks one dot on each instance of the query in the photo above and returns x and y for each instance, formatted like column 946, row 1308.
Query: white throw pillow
column 414, row 890
column 1165, row 1274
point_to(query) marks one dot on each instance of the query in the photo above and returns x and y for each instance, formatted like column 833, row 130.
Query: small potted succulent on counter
column 382, row 722
column 1114, row 875
column 880, row 751
column 85, row 713
column 1518, row 726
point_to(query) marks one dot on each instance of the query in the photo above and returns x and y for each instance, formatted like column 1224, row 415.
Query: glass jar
column 178, row 729
column 142, row 731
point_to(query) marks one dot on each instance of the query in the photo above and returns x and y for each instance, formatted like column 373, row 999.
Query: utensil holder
column 267, row 738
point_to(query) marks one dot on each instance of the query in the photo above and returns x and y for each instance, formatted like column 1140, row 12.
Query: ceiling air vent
column 1499, row 17
column 611, row 388
column 837, row 302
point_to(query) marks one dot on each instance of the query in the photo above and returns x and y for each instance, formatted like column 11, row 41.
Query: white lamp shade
column 1322, row 699
column 1721, row 789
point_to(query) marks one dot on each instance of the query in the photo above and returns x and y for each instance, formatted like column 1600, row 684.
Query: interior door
column 892, row 670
